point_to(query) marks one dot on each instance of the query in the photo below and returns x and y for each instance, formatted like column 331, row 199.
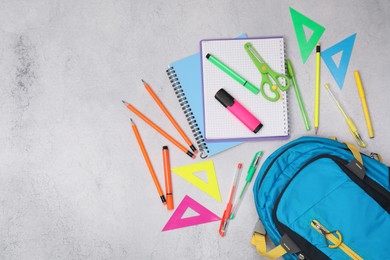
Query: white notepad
column 220, row 124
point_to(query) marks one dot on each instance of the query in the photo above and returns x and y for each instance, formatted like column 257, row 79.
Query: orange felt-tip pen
column 167, row 177
column 170, row 117
column 148, row 162
column 158, row 129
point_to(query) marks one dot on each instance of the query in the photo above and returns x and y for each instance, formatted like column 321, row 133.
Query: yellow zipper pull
column 335, row 238
column 336, row 242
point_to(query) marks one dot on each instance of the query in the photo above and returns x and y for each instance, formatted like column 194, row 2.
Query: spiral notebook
column 220, row 124
column 186, row 78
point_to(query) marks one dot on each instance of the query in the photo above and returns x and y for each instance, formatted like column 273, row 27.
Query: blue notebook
column 186, row 78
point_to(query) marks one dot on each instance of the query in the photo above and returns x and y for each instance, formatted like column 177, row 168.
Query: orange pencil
column 170, row 117
column 147, row 160
column 167, row 176
column 158, row 129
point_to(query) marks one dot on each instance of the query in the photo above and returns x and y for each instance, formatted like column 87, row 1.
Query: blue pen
column 249, row 177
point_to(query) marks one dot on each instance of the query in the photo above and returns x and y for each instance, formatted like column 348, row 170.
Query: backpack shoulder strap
column 259, row 241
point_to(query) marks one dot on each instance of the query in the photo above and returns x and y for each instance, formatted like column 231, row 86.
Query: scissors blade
column 255, row 53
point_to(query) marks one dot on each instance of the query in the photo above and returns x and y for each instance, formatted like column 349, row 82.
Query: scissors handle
column 284, row 86
column 278, row 79
column 274, row 81
column 272, row 88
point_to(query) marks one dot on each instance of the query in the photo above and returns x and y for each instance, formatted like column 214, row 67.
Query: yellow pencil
column 317, row 93
column 362, row 95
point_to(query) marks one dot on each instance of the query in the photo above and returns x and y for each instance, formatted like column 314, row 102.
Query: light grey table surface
column 73, row 182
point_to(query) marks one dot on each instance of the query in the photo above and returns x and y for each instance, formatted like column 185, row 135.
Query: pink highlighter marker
column 238, row 110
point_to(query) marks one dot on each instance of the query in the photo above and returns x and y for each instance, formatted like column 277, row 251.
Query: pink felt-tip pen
column 238, row 110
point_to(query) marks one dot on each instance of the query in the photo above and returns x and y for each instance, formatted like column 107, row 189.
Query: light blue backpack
column 321, row 199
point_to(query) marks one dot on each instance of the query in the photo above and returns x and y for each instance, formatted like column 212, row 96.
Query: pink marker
column 238, row 110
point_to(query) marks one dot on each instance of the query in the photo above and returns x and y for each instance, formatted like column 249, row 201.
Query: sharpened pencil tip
column 316, row 130
column 132, row 122
column 124, row 102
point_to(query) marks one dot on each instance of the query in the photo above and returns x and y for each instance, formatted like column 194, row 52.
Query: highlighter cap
column 224, row 98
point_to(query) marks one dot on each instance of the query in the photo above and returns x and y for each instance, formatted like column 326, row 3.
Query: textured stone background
column 73, row 183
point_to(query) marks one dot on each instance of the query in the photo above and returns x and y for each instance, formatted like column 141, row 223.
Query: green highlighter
column 232, row 73
column 251, row 172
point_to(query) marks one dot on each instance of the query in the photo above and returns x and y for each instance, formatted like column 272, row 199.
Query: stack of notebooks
column 195, row 80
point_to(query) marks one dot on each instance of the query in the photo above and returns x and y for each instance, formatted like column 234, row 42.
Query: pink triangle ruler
column 177, row 220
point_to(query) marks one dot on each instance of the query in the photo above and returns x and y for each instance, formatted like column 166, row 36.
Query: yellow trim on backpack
column 355, row 152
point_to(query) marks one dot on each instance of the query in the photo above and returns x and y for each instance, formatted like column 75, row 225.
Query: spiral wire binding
column 285, row 100
column 185, row 106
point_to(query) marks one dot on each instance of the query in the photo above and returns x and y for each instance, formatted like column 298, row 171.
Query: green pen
column 251, row 172
column 291, row 74
column 232, row 73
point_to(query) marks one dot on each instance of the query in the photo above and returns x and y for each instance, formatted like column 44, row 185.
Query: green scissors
column 269, row 77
